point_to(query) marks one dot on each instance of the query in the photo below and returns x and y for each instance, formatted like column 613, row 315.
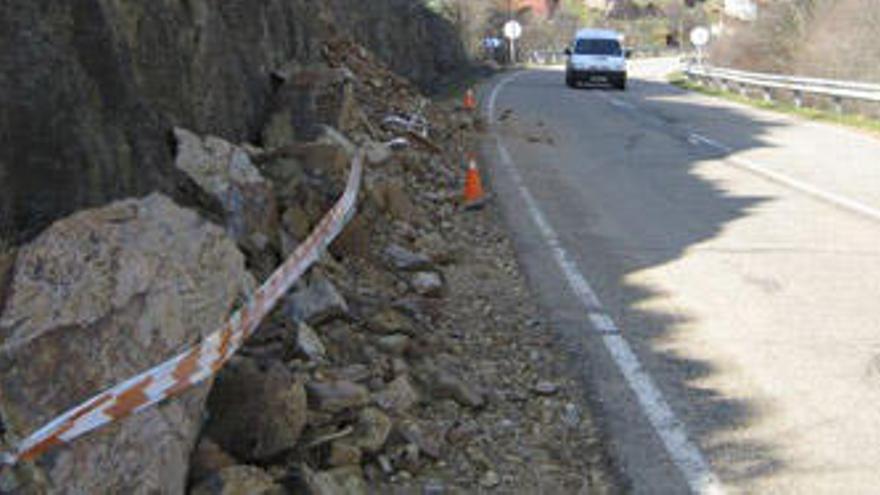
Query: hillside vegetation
column 824, row 38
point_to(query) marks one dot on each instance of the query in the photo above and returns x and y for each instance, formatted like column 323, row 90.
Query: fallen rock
column 434, row 487
column 391, row 198
column 463, row 432
column 389, row 321
column 406, row 458
column 256, row 413
column 278, row 131
column 377, row 153
column 426, row 436
column 348, row 480
column 337, row 396
column 490, row 479
column 226, row 173
column 352, row 373
column 238, row 480
column 326, row 155
column 545, row 388
column 403, row 259
column 446, row 384
column 297, row 225
column 208, row 458
column 344, row 454
column 93, row 300
column 371, row 431
column 316, row 301
column 356, row 238
column 395, row 345
column 399, row 366
column 436, row 248
column 398, row 397
column 428, row 284
column 308, row 342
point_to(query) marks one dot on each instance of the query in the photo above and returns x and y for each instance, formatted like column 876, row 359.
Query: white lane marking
column 603, row 323
column 686, row 456
column 620, row 103
column 793, row 183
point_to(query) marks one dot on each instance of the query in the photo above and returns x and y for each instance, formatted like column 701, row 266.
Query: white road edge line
column 801, row 186
column 686, row 456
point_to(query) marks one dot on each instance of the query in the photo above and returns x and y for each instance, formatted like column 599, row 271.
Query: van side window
column 610, row 48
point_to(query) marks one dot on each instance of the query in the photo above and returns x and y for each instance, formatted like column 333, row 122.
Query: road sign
column 512, row 30
column 700, row 36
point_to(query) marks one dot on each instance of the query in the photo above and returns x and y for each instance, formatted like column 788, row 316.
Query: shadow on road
column 630, row 152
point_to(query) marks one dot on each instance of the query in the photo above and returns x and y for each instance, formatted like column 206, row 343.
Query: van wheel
column 569, row 81
column 621, row 84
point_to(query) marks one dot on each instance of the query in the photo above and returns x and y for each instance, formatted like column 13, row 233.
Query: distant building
column 744, row 10
column 541, row 8
column 624, row 9
column 598, row 4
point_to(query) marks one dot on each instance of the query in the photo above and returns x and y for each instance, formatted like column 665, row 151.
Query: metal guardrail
column 547, row 57
column 799, row 86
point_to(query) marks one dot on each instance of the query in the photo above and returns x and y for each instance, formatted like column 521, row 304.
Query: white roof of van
column 606, row 34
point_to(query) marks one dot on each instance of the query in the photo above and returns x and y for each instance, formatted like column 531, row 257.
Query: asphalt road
column 713, row 273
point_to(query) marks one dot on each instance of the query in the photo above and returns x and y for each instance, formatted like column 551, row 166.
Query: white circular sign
column 512, row 30
column 699, row 36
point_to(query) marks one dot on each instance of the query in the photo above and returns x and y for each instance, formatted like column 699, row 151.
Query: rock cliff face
column 90, row 90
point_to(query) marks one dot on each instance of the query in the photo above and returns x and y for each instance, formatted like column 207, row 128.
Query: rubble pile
column 412, row 358
column 414, row 343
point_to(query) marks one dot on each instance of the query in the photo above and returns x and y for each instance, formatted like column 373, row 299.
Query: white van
column 596, row 56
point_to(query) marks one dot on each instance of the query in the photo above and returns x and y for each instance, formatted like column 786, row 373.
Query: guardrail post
column 798, row 99
column 768, row 95
column 838, row 104
column 742, row 90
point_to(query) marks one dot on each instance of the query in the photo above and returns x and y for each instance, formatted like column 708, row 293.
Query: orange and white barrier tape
column 199, row 362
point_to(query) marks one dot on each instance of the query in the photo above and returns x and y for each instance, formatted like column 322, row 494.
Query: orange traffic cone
column 470, row 100
column 473, row 185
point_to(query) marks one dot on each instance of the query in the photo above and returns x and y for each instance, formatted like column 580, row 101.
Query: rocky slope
column 410, row 360
column 91, row 89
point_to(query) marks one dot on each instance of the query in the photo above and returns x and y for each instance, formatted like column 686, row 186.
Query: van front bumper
column 595, row 76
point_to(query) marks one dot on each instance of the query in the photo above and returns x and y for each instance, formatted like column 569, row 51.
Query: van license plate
column 598, row 79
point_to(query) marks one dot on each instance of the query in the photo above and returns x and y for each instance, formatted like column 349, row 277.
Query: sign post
column 512, row 31
column 699, row 38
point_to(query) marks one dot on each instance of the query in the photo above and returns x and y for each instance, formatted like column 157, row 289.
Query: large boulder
column 314, row 301
column 238, row 480
column 348, row 480
column 257, row 412
column 311, row 95
column 224, row 171
column 93, row 300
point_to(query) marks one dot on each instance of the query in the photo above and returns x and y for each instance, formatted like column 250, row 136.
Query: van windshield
column 598, row 47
